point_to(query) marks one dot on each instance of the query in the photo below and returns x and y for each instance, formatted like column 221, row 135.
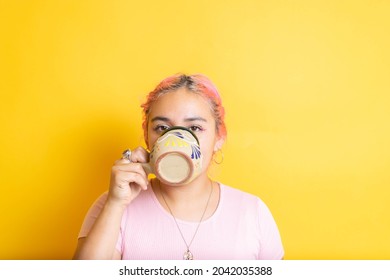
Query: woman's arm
column 103, row 236
column 128, row 179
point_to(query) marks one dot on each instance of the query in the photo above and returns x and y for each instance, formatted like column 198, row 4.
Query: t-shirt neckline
column 209, row 219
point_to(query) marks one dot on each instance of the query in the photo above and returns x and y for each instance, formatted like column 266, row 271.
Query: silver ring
column 126, row 154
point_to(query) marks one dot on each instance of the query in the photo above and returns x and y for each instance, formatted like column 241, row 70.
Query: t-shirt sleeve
column 92, row 215
column 271, row 247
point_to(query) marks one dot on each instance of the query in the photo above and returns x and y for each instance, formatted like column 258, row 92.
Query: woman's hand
column 128, row 178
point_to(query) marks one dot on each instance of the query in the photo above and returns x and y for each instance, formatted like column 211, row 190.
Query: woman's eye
column 195, row 128
column 161, row 128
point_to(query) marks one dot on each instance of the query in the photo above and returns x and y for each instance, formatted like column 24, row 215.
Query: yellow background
column 305, row 85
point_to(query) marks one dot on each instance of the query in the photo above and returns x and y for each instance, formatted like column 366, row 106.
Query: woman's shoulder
column 234, row 196
column 235, row 193
column 244, row 202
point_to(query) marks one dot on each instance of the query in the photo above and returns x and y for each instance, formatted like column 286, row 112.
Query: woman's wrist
column 115, row 205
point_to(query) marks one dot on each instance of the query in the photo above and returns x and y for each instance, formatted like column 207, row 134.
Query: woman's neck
column 187, row 202
column 196, row 189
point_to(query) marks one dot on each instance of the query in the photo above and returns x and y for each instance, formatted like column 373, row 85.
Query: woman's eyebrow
column 195, row 119
column 165, row 119
column 159, row 118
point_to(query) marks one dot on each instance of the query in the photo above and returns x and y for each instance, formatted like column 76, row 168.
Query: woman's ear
column 218, row 144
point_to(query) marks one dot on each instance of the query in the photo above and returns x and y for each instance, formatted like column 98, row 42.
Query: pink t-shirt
column 242, row 227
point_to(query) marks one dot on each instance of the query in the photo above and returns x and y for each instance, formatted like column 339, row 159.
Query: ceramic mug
column 175, row 158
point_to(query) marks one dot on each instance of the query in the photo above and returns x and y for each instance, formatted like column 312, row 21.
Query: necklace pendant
column 188, row 255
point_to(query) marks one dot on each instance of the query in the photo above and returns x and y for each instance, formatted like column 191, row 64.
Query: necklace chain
column 188, row 255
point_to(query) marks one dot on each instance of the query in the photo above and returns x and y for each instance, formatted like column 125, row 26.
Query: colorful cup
column 175, row 158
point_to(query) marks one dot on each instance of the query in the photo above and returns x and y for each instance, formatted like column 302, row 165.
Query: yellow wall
column 305, row 84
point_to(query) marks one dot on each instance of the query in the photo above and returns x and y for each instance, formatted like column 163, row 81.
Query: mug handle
column 148, row 168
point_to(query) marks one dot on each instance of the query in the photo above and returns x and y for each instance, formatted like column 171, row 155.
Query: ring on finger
column 126, row 154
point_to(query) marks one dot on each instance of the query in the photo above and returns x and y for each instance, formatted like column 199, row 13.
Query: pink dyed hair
column 198, row 84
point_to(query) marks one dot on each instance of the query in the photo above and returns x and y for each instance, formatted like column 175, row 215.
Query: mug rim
column 181, row 128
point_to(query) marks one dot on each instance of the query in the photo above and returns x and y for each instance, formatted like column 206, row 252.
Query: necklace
column 187, row 254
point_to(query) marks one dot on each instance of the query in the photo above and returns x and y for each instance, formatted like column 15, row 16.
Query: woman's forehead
column 181, row 104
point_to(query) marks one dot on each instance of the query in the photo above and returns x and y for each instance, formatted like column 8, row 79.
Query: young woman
column 203, row 219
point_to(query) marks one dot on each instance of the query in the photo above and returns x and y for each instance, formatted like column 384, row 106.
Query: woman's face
column 184, row 108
